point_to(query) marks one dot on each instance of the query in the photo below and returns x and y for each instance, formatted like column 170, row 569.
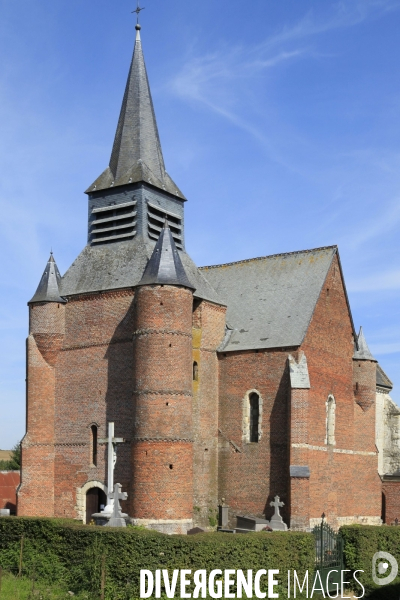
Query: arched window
column 94, row 445
column 195, row 371
column 254, row 416
column 330, row 420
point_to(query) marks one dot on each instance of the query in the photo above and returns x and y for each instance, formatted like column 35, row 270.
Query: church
column 236, row 382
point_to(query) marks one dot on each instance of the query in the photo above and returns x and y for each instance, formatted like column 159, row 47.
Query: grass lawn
column 13, row 588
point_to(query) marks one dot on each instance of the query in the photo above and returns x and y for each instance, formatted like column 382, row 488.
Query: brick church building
column 240, row 381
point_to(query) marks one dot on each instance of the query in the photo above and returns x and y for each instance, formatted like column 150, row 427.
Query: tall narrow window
column 94, row 445
column 254, row 416
column 330, row 420
column 195, row 371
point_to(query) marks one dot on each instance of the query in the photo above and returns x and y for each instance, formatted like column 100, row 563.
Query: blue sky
column 279, row 120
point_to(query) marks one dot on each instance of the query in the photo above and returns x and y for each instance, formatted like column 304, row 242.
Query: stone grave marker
column 276, row 523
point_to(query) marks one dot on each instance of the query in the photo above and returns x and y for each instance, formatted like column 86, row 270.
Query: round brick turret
column 162, row 456
column 45, row 341
column 364, row 374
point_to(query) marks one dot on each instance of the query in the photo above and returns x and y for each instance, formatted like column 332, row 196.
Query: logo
column 381, row 562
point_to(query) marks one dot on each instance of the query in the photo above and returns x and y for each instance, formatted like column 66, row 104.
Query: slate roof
column 270, row 300
column 382, row 380
column 121, row 265
column 165, row 266
column 136, row 155
column 362, row 352
column 48, row 289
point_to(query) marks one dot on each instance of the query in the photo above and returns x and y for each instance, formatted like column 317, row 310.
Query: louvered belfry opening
column 155, row 220
column 113, row 223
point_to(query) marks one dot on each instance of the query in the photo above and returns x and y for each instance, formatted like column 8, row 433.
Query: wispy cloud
column 346, row 13
column 393, row 348
column 376, row 282
column 387, row 220
column 212, row 80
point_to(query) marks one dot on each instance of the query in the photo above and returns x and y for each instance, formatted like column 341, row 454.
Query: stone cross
column 277, row 505
column 112, row 459
column 117, row 519
column 276, row 522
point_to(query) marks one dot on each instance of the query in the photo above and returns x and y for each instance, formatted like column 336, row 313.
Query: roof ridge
column 247, row 260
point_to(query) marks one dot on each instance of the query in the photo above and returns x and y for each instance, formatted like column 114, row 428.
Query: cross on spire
column 138, row 10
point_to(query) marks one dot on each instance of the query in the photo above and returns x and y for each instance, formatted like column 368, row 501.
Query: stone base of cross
column 118, row 517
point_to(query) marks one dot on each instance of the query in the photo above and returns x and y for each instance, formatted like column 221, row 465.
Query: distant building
column 242, row 381
column 9, row 482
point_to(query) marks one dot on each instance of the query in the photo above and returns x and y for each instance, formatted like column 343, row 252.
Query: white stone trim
column 168, row 526
column 81, row 497
column 299, row 377
column 355, row 520
column 330, row 420
column 246, row 415
column 337, row 450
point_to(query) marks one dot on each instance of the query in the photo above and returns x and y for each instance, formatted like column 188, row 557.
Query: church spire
column 165, row 266
column 136, row 154
column 49, row 287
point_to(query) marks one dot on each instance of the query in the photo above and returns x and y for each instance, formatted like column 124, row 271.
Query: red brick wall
column 162, row 449
column 92, row 383
column 391, row 501
column 93, row 387
column 208, row 333
column 299, row 501
column 160, row 492
column 46, row 328
column 338, row 480
column 250, row 478
column 251, row 474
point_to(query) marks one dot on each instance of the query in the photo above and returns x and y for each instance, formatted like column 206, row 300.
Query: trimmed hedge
column 55, row 550
column 360, row 544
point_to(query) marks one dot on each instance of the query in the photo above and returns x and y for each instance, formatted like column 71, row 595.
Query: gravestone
column 4, row 512
column 276, row 523
column 246, row 524
column 223, row 515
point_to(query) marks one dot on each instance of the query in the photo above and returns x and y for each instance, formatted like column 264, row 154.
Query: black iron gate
column 328, row 555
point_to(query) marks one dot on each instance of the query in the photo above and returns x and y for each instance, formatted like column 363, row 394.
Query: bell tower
column 133, row 196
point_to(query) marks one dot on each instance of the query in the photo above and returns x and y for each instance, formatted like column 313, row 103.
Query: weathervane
column 138, row 10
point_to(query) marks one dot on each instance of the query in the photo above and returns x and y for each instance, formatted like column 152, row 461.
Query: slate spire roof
column 49, row 286
column 363, row 352
column 136, row 155
column 165, row 266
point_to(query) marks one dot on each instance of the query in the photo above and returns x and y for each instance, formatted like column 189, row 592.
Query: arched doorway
column 95, row 501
